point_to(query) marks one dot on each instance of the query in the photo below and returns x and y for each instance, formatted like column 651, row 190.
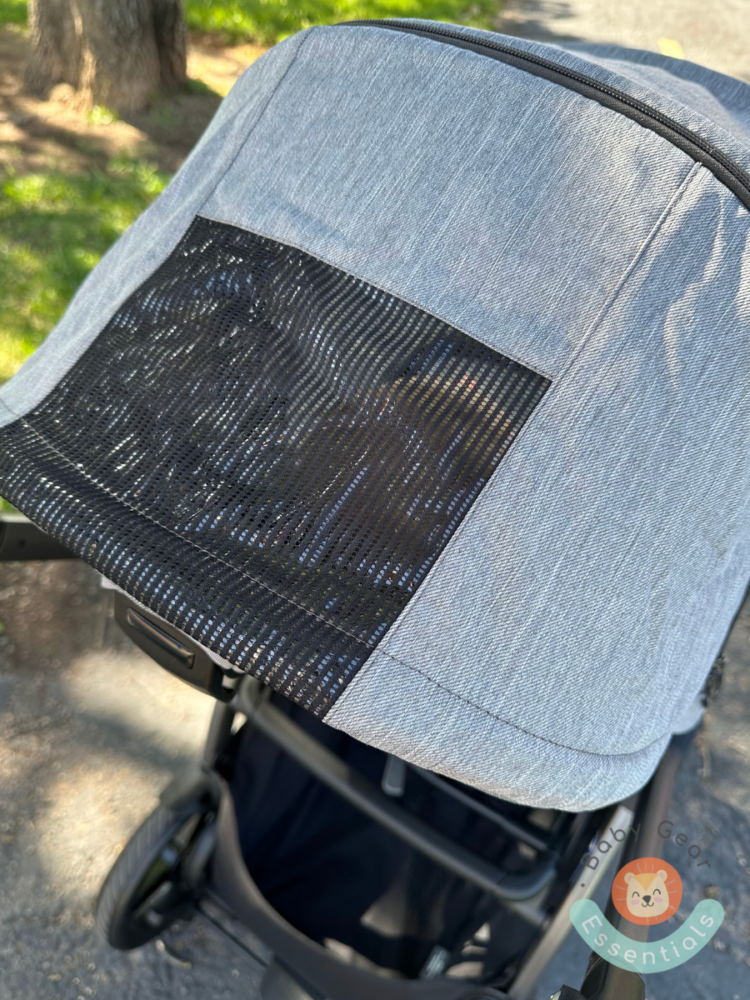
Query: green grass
column 54, row 227
column 268, row 21
column 13, row 11
column 99, row 115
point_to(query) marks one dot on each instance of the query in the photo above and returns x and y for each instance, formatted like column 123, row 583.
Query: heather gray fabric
column 592, row 584
column 415, row 165
column 533, row 211
column 720, row 99
column 568, row 626
column 715, row 106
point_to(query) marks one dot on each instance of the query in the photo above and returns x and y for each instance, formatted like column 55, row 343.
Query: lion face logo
column 647, row 891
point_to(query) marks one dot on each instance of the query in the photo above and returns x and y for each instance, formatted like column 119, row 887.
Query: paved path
column 90, row 730
column 715, row 33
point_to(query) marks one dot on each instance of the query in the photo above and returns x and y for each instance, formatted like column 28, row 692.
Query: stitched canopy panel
column 423, row 394
column 269, row 453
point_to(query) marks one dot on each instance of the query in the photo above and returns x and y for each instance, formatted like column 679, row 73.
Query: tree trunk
column 113, row 52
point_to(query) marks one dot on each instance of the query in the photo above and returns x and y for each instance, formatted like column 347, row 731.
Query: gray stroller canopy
column 422, row 395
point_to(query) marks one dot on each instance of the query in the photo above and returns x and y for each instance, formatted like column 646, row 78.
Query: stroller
column 410, row 424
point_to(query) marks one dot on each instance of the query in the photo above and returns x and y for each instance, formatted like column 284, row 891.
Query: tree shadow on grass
column 56, row 225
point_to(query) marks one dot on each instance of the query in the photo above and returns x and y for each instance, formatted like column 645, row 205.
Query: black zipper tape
column 699, row 149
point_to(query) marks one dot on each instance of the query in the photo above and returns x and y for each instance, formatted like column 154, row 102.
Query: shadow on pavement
column 537, row 20
column 90, row 731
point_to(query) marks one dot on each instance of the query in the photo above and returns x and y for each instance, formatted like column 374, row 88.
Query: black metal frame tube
column 515, row 828
column 325, row 765
column 653, row 806
column 219, row 732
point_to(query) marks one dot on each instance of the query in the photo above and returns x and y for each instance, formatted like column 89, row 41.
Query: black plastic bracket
column 171, row 648
column 22, row 541
column 196, row 789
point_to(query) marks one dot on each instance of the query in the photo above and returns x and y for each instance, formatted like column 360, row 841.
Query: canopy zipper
column 700, row 149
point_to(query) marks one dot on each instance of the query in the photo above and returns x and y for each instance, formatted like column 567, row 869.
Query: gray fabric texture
column 592, row 584
column 715, row 106
column 722, row 100
column 567, row 628
column 418, row 167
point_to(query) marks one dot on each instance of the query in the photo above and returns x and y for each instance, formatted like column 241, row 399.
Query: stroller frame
column 207, row 863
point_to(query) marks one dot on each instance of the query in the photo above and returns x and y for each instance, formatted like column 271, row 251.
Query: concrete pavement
column 714, row 33
column 90, row 732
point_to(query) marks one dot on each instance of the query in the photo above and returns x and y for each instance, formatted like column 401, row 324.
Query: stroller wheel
column 146, row 888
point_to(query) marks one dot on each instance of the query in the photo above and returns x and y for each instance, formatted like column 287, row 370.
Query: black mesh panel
column 269, row 453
